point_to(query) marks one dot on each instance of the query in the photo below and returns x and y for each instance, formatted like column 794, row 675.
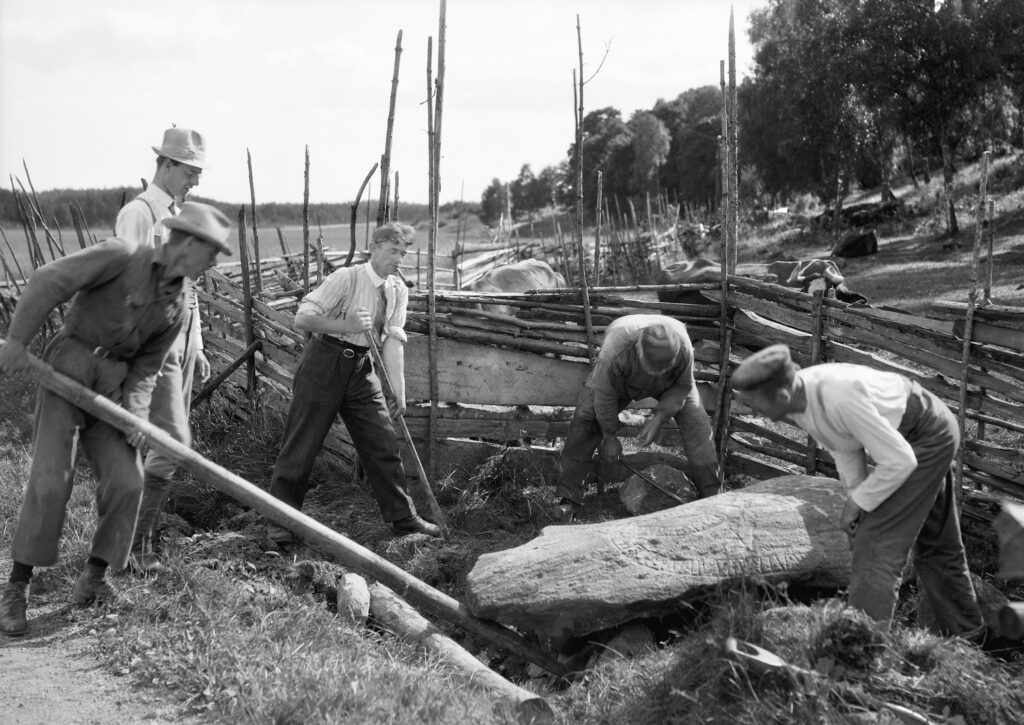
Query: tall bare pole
column 383, row 213
column 733, row 143
column 972, row 303
column 597, row 228
column 305, row 225
column 258, row 282
column 580, row 253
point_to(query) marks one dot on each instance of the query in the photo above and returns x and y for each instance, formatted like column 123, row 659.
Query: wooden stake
column 305, row 224
column 258, row 286
column 732, row 156
column 972, row 301
column 250, row 336
column 580, row 252
column 383, row 214
column 435, row 188
column 817, row 330
column 597, row 229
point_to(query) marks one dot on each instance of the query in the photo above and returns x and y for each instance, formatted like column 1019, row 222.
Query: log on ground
column 573, row 580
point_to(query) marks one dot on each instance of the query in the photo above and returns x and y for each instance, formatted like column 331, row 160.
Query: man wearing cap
column 128, row 307
column 353, row 307
column 643, row 356
column 906, row 503
column 179, row 163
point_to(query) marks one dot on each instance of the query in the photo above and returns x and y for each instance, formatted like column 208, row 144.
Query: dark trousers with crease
column 328, row 384
column 920, row 516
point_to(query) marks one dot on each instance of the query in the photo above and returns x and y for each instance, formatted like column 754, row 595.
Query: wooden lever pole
column 403, row 429
column 348, row 552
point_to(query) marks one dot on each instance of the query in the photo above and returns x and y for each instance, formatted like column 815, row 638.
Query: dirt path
column 54, row 676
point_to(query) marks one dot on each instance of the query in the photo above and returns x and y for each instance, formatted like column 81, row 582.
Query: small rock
column 640, row 497
column 353, row 599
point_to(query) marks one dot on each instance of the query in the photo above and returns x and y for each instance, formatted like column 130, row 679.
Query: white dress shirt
column 348, row 289
column 853, row 411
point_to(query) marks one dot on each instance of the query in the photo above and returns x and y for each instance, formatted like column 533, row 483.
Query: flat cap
column 770, row 365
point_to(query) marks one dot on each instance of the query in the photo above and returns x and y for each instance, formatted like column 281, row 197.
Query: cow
column 857, row 245
column 529, row 274
column 798, row 274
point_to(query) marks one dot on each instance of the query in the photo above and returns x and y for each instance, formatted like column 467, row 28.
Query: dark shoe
column 13, row 604
column 142, row 564
column 568, row 509
column 91, row 587
column 415, row 525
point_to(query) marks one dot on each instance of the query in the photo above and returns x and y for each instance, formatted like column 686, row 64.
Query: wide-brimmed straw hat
column 204, row 222
column 183, row 145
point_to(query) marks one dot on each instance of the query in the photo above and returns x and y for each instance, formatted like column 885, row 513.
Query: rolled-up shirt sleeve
column 328, row 299
column 394, row 326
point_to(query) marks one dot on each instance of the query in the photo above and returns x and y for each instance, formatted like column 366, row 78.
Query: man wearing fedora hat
column 906, row 503
column 179, row 164
column 127, row 310
column 642, row 356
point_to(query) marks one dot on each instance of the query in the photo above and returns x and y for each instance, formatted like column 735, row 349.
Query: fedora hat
column 204, row 222
column 184, row 146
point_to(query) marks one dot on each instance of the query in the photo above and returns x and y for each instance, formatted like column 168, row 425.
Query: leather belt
column 348, row 350
column 99, row 351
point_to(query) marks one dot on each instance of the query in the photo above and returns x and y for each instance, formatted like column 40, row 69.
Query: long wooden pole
column 305, row 225
column 243, row 254
column 354, row 215
column 435, row 162
column 597, row 228
column 258, row 284
column 403, row 429
column 383, row 214
column 972, row 302
column 347, row 551
column 431, row 268
column 580, row 252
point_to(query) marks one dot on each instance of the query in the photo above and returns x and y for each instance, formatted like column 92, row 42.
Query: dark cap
column 772, row 365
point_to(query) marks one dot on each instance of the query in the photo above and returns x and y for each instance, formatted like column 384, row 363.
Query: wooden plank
column 774, row 311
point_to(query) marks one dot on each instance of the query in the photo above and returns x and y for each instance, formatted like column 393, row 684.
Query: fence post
column 817, row 329
column 243, row 252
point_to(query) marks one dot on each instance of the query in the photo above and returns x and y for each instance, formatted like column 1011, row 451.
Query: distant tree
column 607, row 147
column 692, row 120
column 492, row 203
column 649, row 146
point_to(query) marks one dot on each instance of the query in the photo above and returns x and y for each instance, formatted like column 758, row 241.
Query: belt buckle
column 100, row 351
column 348, row 353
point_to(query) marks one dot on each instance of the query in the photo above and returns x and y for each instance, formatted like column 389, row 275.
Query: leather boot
column 154, row 496
column 13, row 603
column 706, row 480
column 91, row 587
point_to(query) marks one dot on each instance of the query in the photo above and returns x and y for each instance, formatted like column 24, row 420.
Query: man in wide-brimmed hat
column 642, row 356
column 906, row 503
column 127, row 310
column 179, row 163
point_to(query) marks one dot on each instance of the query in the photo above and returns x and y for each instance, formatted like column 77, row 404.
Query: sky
column 87, row 88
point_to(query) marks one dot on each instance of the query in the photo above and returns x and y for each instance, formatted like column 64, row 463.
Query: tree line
column 843, row 93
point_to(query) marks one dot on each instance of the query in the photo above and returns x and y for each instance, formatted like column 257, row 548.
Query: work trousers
column 117, row 465
column 920, row 516
column 168, row 411
column 576, row 459
column 333, row 379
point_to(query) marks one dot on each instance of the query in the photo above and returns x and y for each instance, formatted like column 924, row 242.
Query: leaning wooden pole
column 391, row 612
column 972, row 303
column 597, row 228
column 581, row 254
column 431, row 255
column 258, row 284
column 435, row 163
column 353, row 217
column 383, row 213
column 347, row 551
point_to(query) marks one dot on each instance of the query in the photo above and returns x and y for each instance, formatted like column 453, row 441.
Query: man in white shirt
column 179, row 164
column 336, row 377
column 906, row 503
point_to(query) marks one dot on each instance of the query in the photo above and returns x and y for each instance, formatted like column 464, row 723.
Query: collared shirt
column 854, row 411
column 618, row 377
column 140, row 221
column 123, row 302
column 349, row 288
